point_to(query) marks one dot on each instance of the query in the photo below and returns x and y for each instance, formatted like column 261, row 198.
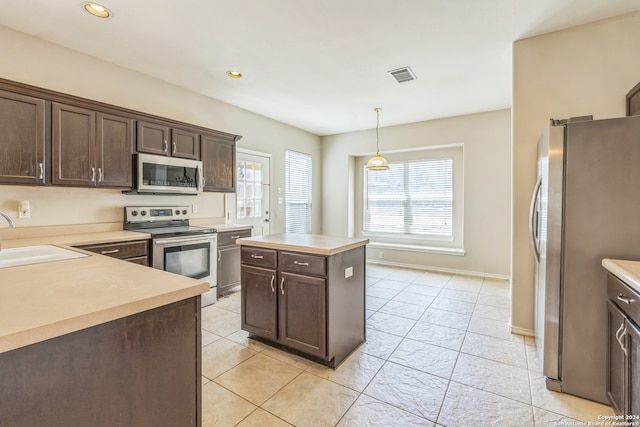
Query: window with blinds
column 298, row 192
column 410, row 198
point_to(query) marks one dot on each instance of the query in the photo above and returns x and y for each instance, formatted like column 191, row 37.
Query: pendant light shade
column 377, row 162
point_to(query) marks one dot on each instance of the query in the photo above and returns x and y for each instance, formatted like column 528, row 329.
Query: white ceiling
column 319, row 65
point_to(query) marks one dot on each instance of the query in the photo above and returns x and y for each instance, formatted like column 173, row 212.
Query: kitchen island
column 305, row 293
column 101, row 342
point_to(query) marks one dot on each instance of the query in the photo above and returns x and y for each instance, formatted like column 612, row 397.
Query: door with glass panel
column 250, row 203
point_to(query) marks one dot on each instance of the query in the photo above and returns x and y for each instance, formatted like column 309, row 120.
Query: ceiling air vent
column 402, row 75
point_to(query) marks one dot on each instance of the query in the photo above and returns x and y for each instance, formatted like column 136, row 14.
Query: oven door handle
column 183, row 240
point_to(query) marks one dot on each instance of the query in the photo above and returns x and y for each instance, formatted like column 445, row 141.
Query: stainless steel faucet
column 9, row 220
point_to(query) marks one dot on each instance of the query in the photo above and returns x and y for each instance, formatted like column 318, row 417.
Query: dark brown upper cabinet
column 24, row 128
column 219, row 163
column 91, row 148
column 163, row 140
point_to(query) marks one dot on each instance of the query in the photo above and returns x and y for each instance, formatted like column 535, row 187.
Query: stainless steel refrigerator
column 585, row 207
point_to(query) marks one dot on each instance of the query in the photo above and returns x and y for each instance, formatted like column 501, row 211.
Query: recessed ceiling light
column 96, row 10
column 234, row 74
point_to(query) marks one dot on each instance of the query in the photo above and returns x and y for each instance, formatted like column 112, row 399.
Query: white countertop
column 627, row 271
column 307, row 243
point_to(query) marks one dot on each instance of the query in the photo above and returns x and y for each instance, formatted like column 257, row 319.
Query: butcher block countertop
column 307, row 243
column 47, row 300
column 627, row 271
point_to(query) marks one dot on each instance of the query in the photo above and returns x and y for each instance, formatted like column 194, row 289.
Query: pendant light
column 377, row 162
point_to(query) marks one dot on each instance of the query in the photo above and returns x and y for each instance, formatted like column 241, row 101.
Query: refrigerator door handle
column 533, row 219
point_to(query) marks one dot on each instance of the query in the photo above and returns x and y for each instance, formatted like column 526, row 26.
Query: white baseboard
column 439, row 269
column 521, row 331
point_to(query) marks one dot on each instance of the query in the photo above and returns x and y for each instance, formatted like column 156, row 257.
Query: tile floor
column 438, row 353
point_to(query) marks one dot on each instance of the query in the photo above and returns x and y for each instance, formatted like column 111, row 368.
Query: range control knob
column 143, row 213
column 134, row 213
column 184, row 212
column 177, row 211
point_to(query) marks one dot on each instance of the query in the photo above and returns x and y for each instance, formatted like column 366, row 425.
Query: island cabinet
column 623, row 379
column 309, row 301
column 91, row 148
column 24, row 128
column 162, row 139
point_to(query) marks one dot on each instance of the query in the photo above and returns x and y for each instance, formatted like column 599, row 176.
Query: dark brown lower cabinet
column 141, row 370
column 312, row 304
column 623, row 379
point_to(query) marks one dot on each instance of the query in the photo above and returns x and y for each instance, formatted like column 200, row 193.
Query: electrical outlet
column 24, row 210
column 380, row 255
column 194, row 208
column 348, row 272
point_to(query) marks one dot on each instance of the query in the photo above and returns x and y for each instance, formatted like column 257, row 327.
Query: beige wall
column 30, row 60
column 585, row 70
column 486, row 138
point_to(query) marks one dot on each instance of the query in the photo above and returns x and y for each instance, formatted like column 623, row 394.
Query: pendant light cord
column 377, row 110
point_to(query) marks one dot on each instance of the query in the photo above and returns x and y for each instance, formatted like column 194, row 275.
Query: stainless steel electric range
column 176, row 246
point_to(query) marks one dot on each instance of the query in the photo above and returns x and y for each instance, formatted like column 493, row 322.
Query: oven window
column 168, row 175
column 189, row 260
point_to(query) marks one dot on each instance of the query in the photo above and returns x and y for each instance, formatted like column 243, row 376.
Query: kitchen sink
column 13, row 257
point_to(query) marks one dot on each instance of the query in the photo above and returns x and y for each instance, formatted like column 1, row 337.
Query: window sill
column 418, row 248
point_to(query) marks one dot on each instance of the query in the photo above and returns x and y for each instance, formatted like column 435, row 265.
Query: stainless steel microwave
column 168, row 175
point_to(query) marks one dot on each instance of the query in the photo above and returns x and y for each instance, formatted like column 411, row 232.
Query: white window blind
column 298, row 192
column 410, row 198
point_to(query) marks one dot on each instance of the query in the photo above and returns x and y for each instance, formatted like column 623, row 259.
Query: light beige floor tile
column 423, row 289
column 495, row 301
column 413, row 298
column 403, row 309
column 379, row 292
column 465, row 283
column 258, row 378
column 370, row 280
column 496, row 287
column 230, row 303
column 390, row 324
column 211, row 312
column 242, row 337
column 391, row 284
column 223, row 325
column 291, row 359
column 311, row 401
column 467, row 406
column 489, row 312
column 370, row 313
column 208, row 337
column 544, row 418
column 409, row 389
column 432, row 278
column 375, row 303
column 378, row 270
column 453, row 306
column 497, row 349
column 370, row 412
column 221, row 408
column 355, row 373
column 565, row 404
column 496, row 377
column 457, row 295
column 446, row 318
column 533, row 360
column 380, row 344
column 442, row 336
column 222, row 355
column 261, row 418
column 406, row 275
column 425, row 357
column 493, row 328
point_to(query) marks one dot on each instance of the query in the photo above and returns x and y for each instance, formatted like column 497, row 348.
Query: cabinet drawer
column 303, row 263
column 259, row 257
column 121, row 250
column 230, row 237
column 625, row 297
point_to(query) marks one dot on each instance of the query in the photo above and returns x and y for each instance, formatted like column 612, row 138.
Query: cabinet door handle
column 173, row 147
column 166, row 146
column 619, row 331
column 301, row 263
column 624, row 332
column 254, row 256
column 41, row 171
column 273, row 278
column 624, row 299
column 112, row 251
column 282, row 286
column 219, row 255
column 235, row 237
column 99, row 174
column 93, row 174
